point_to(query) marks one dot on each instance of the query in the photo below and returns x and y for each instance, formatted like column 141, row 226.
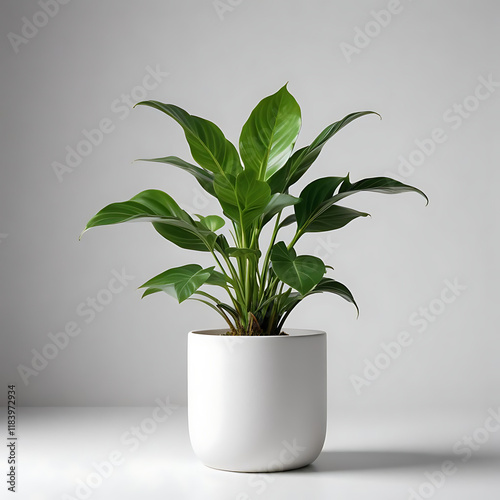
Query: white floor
column 61, row 449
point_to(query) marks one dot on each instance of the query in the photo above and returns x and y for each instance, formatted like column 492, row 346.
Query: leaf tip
column 82, row 233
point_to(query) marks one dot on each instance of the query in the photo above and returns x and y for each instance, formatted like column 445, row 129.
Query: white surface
column 365, row 457
column 257, row 403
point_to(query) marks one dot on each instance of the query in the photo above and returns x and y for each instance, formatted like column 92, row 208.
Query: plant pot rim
column 292, row 333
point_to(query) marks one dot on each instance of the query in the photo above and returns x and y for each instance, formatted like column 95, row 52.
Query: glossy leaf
column 167, row 217
column 317, row 212
column 333, row 217
column 332, row 286
column 225, row 190
column 150, row 291
column 206, row 179
column 301, row 160
column 268, row 136
column 212, row 222
column 191, row 236
column 301, row 273
column 384, row 185
column 179, row 282
column 288, row 220
column 253, row 196
column 246, row 200
column 210, row 149
column 217, row 279
column 247, row 253
column 278, row 202
column 149, row 205
column 313, row 195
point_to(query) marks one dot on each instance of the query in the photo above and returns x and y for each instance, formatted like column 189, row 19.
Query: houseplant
column 262, row 283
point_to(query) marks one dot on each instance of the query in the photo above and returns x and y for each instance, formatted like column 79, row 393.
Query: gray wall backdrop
column 430, row 68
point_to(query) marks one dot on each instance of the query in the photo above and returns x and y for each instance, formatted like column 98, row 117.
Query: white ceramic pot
column 257, row 404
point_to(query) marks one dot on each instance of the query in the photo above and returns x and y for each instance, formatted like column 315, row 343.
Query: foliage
column 252, row 187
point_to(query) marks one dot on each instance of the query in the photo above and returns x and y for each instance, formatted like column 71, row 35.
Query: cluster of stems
column 257, row 295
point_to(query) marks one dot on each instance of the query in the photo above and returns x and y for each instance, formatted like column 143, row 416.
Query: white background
column 69, row 76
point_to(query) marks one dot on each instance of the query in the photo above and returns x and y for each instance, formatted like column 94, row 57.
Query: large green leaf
column 332, row 286
column 253, row 196
column 268, row 136
column 384, row 185
column 298, row 164
column 217, row 279
column 278, row 202
column 244, row 201
column 316, row 213
column 331, row 218
column 210, row 149
column 189, row 235
column 179, row 282
column 167, row 217
column 301, row 273
column 205, row 178
column 225, row 190
column 313, row 195
column 318, row 210
column 149, row 205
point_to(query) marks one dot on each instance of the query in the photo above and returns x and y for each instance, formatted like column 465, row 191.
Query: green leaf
column 332, row 286
column 247, row 253
column 253, row 197
column 288, row 220
column 211, row 222
column 179, row 282
column 384, row 185
column 167, row 217
column 268, row 136
column 317, row 211
column 206, row 179
column 150, row 291
column 189, row 235
column 225, row 190
column 221, row 244
column 302, row 159
column 301, row 273
column 217, row 279
column 210, row 149
column 149, row 205
column 244, row 201
column 278, row 202
column 313, row 195
column 333, row 217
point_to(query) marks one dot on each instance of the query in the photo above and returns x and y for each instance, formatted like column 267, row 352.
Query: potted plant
column 256, row 390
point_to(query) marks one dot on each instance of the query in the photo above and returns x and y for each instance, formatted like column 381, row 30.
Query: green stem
column 209, row 304
column 265, row 265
